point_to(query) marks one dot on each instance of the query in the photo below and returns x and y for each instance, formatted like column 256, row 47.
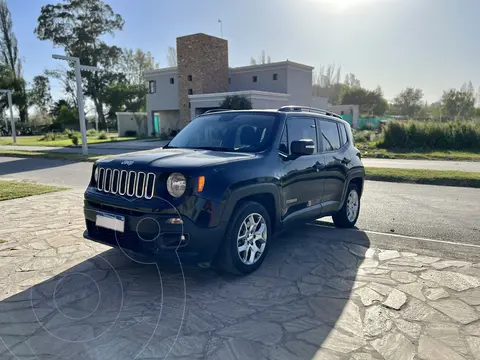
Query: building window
column 172, row 81
column 275, row 76
column 190, row 91
column 255, row 79
column 190, row 78
column 152, row 87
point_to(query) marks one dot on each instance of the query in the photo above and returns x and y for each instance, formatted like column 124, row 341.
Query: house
column 202, row 79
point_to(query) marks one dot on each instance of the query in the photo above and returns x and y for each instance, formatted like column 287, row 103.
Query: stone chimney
column 202, row 62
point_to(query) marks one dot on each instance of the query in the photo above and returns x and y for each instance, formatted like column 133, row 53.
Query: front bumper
column 150, row 234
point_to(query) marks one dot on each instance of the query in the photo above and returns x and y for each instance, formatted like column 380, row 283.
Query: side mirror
column 302, row 147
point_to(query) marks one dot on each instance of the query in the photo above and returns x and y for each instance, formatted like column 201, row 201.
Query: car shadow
column 111, row 307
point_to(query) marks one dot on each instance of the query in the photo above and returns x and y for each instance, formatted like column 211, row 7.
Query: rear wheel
column 347, row 216
column 246, row 242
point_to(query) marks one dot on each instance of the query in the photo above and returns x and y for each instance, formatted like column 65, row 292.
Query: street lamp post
column 10, row 105
column 81, row 112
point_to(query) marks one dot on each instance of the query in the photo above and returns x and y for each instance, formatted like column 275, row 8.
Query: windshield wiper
column 213, row 148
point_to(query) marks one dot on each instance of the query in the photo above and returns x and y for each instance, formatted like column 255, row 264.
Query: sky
column 428, row 44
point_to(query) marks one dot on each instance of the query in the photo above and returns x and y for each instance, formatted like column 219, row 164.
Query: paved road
column 444, row 213
column 470, row 166
column 115, row 148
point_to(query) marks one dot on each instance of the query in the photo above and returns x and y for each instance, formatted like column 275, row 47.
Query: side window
column 343, row 131
column 330, row 135
column 296, row 129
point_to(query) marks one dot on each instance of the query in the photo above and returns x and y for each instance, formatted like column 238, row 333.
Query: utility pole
column 10, row 105
column 81, row 112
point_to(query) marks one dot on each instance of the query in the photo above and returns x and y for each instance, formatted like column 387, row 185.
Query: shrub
column 68, row 133
column 75, row 138
column 102, row 135
column 92, row 132
column 51, row 136
column 173, row 133
column 163, row 136
column 454, row 135
column 130, row 133
column 368, row 126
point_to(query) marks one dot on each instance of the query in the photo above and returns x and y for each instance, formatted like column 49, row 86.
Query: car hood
column 172, row 159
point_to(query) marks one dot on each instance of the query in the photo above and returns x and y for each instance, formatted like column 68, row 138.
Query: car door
column 301, row 177
column 334, row 150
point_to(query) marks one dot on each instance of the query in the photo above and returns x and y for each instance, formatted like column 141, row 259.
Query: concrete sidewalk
column 62, row 296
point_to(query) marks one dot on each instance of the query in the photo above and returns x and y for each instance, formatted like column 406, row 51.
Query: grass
column 62, row 142
column 2, row 241
column 430, row 177
column 13, row 189
column 51, row 155
column 369, row 150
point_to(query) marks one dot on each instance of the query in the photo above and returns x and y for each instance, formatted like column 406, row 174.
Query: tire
column 343, row 218
column 230, row 258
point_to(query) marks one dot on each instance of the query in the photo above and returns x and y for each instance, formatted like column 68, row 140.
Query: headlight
column 176, row 184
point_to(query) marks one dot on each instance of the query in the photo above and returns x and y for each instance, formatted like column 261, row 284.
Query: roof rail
column 309, row 109
column 214, row 111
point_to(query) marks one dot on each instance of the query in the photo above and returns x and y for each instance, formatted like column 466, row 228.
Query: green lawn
column 62, row 142
column 431, row 177
column 13, row 189
column 368, row 150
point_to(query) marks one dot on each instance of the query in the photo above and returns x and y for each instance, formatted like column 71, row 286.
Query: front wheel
column 246, row 243
column 347, row 216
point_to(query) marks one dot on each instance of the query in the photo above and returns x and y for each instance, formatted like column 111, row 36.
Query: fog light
column 174, row 221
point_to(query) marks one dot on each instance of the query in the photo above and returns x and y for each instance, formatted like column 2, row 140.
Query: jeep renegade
column 227, row 182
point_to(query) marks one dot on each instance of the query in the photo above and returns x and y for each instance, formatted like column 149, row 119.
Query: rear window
column 330, row 135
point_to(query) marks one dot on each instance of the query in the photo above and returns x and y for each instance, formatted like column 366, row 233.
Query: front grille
column 130, row 183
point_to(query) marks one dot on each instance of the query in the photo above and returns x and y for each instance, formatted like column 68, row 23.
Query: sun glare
column 342, row 5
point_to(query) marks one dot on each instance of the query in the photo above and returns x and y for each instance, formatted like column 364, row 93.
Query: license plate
column 109, row 221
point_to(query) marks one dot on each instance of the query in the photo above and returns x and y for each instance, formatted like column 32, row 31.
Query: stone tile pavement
column 64, row 297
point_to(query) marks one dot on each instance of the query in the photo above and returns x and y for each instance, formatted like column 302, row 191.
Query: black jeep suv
column 219, row 190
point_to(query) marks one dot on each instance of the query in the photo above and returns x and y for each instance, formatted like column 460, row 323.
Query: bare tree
column 63, row 76
column 326, row 83
column 172, row 56
column 263, row 59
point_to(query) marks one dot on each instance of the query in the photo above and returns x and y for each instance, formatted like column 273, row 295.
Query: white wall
column 320, row 102
column 169, row 120
column 299, row 86
column 128, row 121
column 241, row 80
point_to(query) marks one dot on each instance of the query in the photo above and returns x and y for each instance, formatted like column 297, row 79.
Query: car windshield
column 242, row 132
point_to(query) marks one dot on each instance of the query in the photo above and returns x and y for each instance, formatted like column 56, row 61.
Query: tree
column 326, row 83
column 236, row 102
column 66, row 116
column 371, row 102
column 9, row 58
column 132, row 64
column 39, row 95
column 459, row 104
column 125, row 98
column 409, row 101
column 66, row 78
column 351, row 81
column 79, row 26
column 172, row 56
column 57, row 105
column 263, row 59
